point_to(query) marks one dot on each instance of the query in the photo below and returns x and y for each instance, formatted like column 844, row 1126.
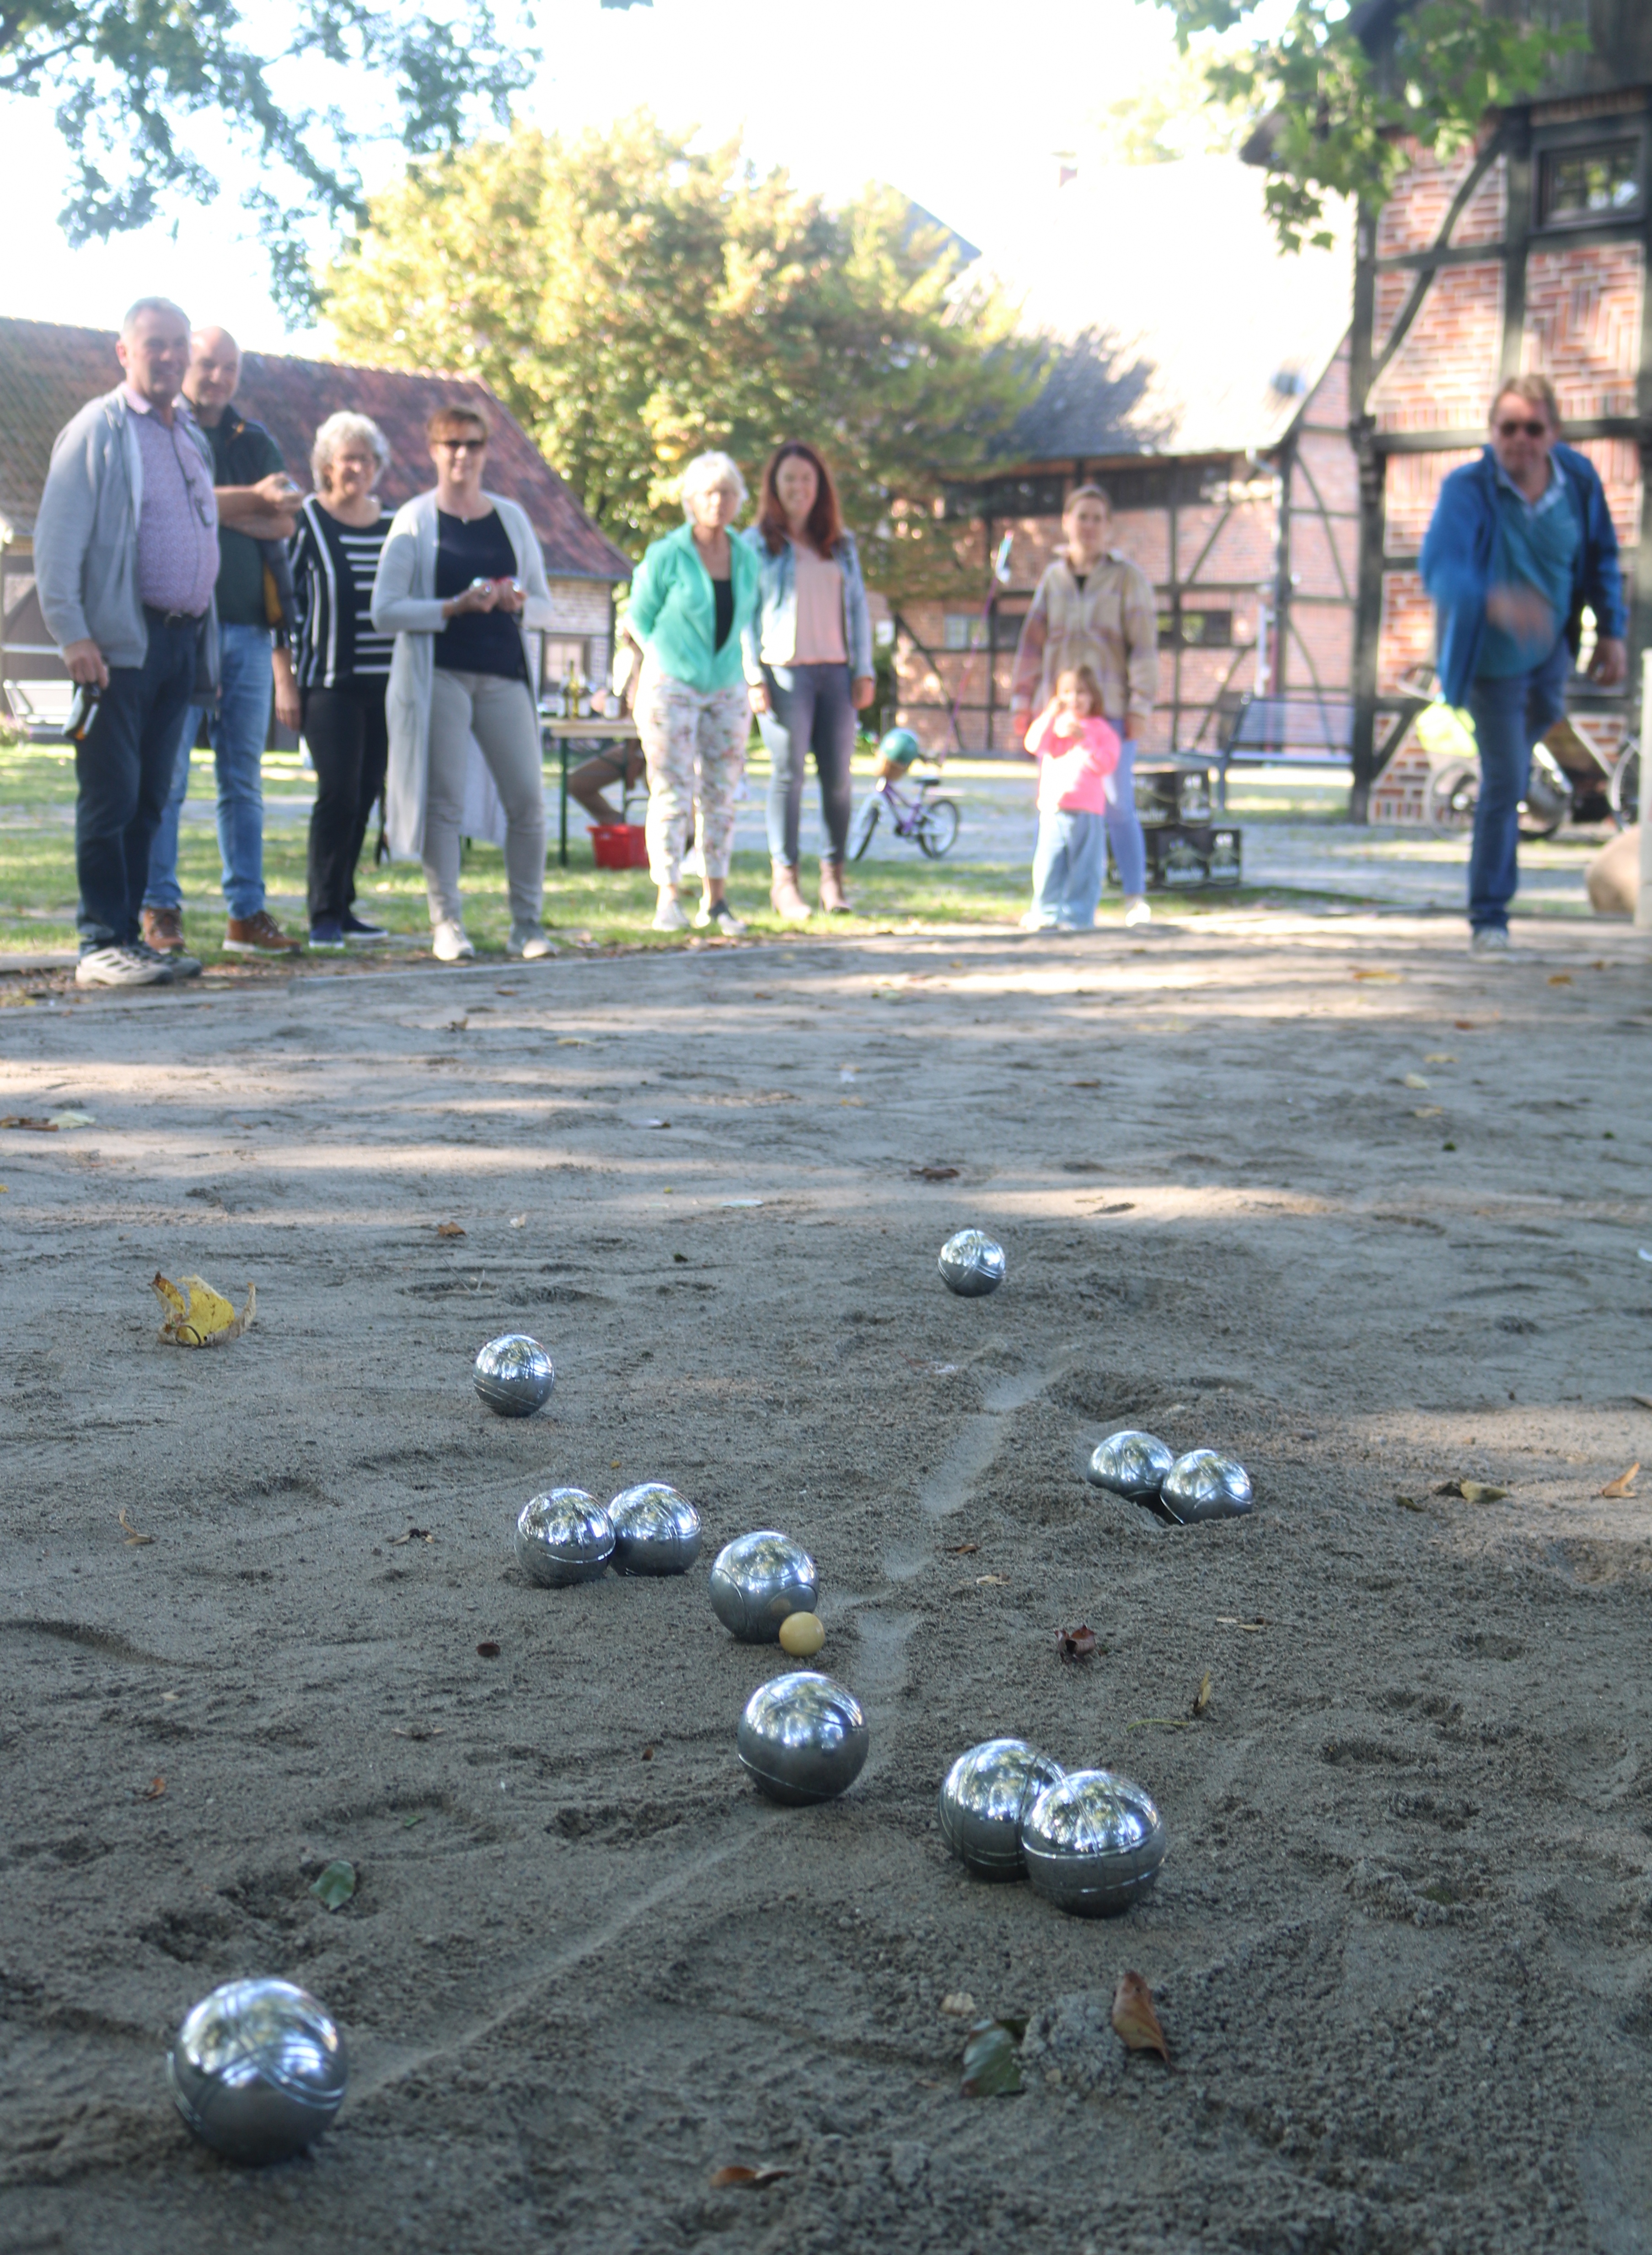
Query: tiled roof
column 48, row 371
column 1179, row 327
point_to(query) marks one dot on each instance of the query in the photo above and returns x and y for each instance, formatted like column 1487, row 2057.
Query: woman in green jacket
column 694, row 594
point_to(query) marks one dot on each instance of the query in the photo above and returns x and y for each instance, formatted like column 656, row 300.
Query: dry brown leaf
column 132, row 1535
column 413, row 1535
column 1075, row 1643
column 1201, row 1697
column 1624, row 1484
column 1377, row 974
column 1560, row 979
column 962, row 1550
column 750, row 2179
column 991, row 1580
column 1480, row 1492
column 153, row 1790
column 932, row 1174
column 449, row 1229
column 488, row 1649
column 1134, row 2022
column 1464, row 1025
column 21, row 1119
column 419, row 1732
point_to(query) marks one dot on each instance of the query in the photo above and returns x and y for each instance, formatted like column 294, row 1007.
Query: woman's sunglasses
column 1512, row 430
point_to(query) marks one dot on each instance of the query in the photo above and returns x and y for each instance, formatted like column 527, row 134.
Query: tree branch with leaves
column 145, row 88
column 1343, row 98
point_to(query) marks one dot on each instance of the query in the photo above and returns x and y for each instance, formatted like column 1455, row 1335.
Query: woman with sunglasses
column 460, row 578
column 1520, row 544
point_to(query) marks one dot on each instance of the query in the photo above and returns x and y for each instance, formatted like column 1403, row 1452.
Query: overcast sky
column 960, row 107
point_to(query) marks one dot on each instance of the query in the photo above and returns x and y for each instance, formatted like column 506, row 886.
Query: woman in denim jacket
column 809, row 663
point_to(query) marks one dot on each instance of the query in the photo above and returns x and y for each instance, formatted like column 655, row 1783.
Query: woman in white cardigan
column 460, row 578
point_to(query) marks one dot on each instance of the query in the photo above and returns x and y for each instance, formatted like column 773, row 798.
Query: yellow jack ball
column 802, row 1636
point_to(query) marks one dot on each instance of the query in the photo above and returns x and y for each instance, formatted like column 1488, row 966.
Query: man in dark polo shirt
column 258, row 505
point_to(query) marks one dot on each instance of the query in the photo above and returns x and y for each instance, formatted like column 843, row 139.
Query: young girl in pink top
column 1077, row 751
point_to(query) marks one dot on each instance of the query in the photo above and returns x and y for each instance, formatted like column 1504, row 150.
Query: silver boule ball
column 972, row 1264
column 1093, row 1843
column 757, row 1579
column 803, row 1738
column 656, row 1530
column 1131, row 1465
column 258, row 2070
column 514, row 1375
column 984, row 1796
column 1206, row 1485
column 564, row 1537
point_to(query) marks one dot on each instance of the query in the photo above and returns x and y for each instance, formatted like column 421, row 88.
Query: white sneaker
column 1491, row 940
column 669, row 916
column 1136, row 911
column 718, row 916
column 123, row 966
column 449, row 942
column 528, row 941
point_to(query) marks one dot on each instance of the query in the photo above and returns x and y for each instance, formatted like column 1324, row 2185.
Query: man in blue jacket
column 1522, row 542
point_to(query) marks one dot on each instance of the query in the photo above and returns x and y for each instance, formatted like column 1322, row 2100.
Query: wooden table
column 592, row 735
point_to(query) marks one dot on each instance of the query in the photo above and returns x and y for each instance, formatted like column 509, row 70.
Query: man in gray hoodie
column 125, row 560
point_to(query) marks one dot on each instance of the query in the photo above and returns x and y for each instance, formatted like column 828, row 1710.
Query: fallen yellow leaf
column 1624, row 1484
column 1416, row 1081
column 199, row 1316
column 1201, row 1697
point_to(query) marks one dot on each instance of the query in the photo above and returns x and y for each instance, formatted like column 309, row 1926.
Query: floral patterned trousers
column 694, row 743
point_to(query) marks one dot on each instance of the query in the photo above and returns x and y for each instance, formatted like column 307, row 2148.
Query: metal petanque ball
column 984, row 1797
column 757, row 1580
column 972, row 1264
column 803, row 1738
column 514, row 1375
column 564, row 1537
column 258, row 2070
column 656, row 1530
column 1093, row 1843
column 1206, row 1485
column 1133, row 1465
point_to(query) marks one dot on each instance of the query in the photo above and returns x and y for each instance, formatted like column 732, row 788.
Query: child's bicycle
column 930, row 822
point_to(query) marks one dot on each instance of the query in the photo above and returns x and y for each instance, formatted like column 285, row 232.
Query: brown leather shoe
column 833, row 899
column 163, row 930
column 785, row 898
column 258, row 935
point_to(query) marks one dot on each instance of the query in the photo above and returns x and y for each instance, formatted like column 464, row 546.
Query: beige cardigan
column 405, row 604
column 1111, row 623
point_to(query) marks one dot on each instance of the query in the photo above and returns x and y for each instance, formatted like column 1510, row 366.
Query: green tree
column 635, row 300
column 144, row 86
column 1341, row 96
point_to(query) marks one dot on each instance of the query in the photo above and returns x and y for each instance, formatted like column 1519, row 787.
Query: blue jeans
column 1124, row 824
column 238, row 729
column 809, row 709
column 1509, row 713
column 1067, row 868
column 122, row 767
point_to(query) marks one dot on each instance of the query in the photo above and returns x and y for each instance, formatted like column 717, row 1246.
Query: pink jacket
column 1073, row 769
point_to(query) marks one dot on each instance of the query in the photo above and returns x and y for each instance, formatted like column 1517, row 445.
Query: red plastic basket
column 620, row 844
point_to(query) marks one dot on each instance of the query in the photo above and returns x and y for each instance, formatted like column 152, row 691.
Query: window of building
column 964, row 630
column 1581, row 185
column 1198, row 630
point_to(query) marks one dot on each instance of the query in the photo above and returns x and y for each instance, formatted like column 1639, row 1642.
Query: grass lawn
column 600, row 908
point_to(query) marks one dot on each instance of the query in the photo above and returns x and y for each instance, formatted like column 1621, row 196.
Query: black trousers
column 123, row 768
column 349, row 748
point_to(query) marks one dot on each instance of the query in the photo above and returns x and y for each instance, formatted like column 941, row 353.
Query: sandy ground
column 1403, row 1940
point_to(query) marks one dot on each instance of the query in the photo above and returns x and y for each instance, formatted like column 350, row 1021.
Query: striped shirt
column 334, row 566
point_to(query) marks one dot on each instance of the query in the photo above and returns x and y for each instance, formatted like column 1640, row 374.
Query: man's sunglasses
column 1513, row 429
column 461, row 445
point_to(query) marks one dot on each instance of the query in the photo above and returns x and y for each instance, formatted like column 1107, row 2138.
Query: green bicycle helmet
column 900, row 748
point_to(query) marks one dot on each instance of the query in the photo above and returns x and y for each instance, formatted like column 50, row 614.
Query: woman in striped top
column 336, row 674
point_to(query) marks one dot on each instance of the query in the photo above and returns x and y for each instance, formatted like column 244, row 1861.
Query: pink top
column 1073, row 769
column 819, row 637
